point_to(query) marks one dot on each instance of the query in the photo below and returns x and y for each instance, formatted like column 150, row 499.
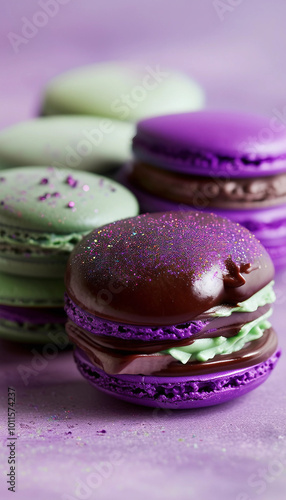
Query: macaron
column 233, row 164
column 32, row 311
column 45, row 211
column 81, row 142
column 172, row 310
column 121, row 90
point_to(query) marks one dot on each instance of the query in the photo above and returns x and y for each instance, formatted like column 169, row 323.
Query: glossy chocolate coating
column 165, row 268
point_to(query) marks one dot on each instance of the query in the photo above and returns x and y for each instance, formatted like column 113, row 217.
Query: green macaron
column 80, row 142
column 31, row 309
column 121, row 90
column 45, row 211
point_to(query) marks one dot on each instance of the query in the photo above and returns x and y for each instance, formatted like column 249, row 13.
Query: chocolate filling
column 214, row 327
column 115, row 361
column 219, row 191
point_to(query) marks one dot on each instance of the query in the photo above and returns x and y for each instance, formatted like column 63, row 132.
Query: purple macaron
column 171, row 310
column 230, row 163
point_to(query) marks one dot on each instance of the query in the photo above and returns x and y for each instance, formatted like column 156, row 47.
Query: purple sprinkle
column 56, row 194
column 71, row 204
column 101, row 432
column 44, row 181
column 44, row 196
column 71, row 181
column 1, row 202
column 2, row 179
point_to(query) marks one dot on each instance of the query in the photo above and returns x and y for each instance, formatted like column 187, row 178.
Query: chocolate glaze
column 165, row 268
column 113, row 361
column 220, row 191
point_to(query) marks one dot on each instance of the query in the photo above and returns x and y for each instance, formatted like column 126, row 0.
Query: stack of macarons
column 44, row 212
column 232, row 164
column 172, row 310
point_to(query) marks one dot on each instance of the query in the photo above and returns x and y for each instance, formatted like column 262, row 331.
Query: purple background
column 233, row 452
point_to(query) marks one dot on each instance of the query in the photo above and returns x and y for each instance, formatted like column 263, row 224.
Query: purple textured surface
column 212, row 143
column 177, row 392
column 235, row 451
column 101, row 327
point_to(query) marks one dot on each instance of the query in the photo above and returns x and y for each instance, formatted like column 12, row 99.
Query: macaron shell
column 212, row 143
column 22, row 266
column 22, row 334
column 42, row 199
column 80, row 142
column 177, row 392
column 98, row 90
column 30, row 292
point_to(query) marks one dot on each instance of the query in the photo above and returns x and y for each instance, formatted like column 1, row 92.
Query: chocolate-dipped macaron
column 233, row 164
column 172, row 309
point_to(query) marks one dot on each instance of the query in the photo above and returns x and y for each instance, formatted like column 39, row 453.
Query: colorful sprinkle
column 71, row 181
column 44, row 180
column 44, row 196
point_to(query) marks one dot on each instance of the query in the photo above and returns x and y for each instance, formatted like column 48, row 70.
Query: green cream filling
column 205, row 349
column 44, row 241
column 261, row 298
